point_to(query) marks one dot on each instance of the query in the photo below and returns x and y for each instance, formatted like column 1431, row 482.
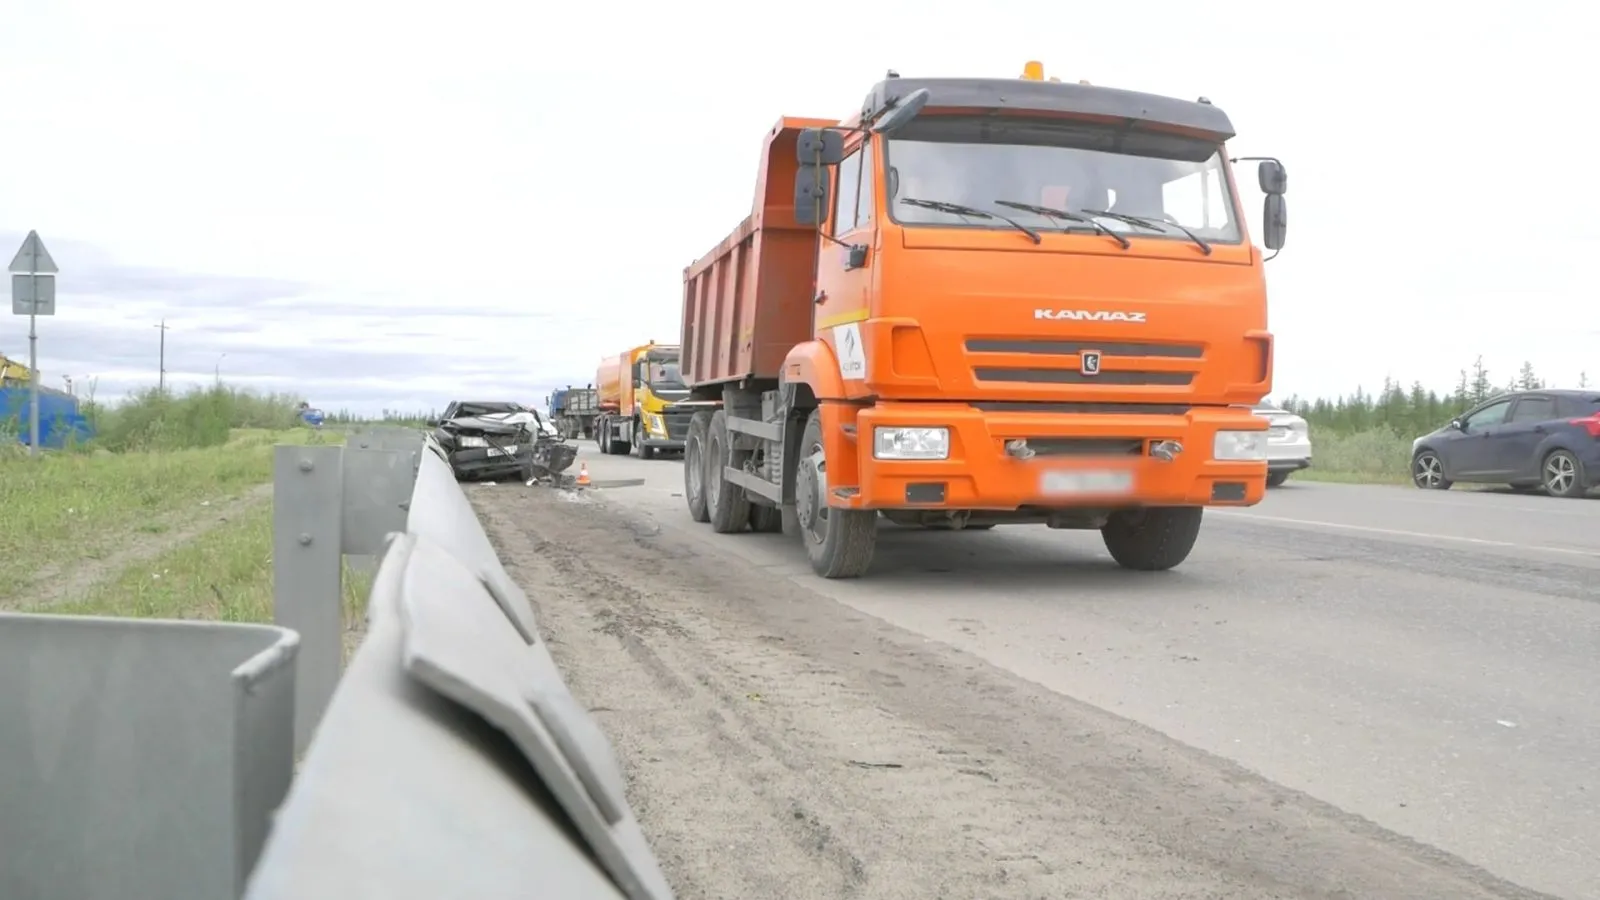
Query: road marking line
column 1397, row 532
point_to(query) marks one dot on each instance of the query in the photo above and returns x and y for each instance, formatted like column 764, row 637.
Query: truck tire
column 765, row 519
column 726, row 503
column 838, row 541
column 1152, row 540
column 616, row 447
column 694, row 466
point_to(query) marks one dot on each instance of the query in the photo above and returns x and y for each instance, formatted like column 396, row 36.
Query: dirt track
column 779, row 744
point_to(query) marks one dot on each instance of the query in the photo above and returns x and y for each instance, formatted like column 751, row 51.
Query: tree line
column 1414, row 410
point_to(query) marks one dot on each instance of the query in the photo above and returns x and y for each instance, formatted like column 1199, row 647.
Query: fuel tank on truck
column 608, row 381
column 1089, row 327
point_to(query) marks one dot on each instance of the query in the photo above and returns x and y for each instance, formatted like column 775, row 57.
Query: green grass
column 225, row 574
column 63, row 509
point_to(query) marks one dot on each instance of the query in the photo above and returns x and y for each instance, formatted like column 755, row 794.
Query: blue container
column 60, row 419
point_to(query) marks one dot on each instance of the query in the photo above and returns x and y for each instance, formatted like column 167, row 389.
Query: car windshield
column 1172, row 187
column 486, row 408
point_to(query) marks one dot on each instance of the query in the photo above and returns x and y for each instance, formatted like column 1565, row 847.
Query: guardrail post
column 396, row 482
column 307, row 578
column 377, row 489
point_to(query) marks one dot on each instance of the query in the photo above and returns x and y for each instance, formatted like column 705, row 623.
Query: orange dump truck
column 981, row 302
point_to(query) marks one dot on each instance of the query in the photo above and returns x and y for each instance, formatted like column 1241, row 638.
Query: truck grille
column 677, row 422
column 1062, row 362
column 1059, row 446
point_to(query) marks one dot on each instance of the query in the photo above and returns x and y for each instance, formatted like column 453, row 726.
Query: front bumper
column 661, row 443
column 489, row 462
column 980, row 475
column 1289, row 451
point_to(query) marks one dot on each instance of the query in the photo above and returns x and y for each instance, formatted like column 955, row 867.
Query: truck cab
column 1032, row 302
column 638, row 391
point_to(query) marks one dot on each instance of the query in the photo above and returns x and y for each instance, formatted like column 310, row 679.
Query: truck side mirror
column 1273, row 177
column 1274, row 221
column 819, row 147
column 811, row 195
column 903, row 112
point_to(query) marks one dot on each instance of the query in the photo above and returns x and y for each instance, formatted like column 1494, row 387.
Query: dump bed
column 748, row 301
column 608, row 381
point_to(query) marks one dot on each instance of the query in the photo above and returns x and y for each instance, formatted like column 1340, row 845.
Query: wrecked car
column 493, row 440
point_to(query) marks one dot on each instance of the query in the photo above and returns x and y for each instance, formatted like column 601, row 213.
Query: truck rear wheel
column 614, row 446
column 694, row 466
column 838, row 541
column 1152, row 540
column 726, row 503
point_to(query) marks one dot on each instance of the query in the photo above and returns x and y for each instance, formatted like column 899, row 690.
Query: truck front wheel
column 694, row 466
column 726, row 503
column 1154, row 539
column 838, row 541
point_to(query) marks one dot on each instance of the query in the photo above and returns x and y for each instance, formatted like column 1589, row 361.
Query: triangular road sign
column 33, row 257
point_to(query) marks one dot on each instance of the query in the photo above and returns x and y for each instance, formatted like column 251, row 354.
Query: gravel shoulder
column 780, row 744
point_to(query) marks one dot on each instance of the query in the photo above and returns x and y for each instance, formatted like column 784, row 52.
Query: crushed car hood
column 493, row 423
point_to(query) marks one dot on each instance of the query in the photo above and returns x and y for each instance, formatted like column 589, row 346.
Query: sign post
column 33, row 294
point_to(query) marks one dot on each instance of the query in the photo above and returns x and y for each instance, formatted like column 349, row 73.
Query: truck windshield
column 665, row 376
column 1170, row 186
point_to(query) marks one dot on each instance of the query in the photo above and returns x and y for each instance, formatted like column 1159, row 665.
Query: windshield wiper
column 1151, row 226
column 1051, row 213
column 960, row 210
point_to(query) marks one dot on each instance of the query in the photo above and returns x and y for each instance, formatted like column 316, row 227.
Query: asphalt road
column 1424, row 661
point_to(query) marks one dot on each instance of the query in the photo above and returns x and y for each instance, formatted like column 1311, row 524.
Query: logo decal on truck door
column 1089, row 362
column 852, row 356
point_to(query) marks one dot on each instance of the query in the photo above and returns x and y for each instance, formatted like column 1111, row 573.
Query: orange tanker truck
column 980, row 302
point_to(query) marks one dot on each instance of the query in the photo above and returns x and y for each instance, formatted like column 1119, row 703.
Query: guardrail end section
column 110, row 724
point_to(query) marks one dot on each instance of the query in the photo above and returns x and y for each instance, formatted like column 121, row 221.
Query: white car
column 1288, row 443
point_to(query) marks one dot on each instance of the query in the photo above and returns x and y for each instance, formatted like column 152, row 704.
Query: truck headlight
column 1239, row 446
column 470, row 441
column 653, row 423
column 911, row 443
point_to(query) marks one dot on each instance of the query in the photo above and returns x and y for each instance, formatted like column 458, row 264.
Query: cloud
column 365, row 350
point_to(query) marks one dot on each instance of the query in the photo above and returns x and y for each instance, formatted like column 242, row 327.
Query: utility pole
column 161, row 381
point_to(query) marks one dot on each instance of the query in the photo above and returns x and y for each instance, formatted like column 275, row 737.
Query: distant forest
column 1416, row 410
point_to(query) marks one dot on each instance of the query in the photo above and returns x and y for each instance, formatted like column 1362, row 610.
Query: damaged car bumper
column 540, row 459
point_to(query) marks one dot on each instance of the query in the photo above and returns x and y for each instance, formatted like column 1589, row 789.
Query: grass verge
column 1378, row 456
column 62, row 509
column 225, row 574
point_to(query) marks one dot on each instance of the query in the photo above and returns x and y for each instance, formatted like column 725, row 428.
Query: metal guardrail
column 153, row 759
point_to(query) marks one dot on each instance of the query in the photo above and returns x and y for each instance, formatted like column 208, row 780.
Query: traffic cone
column 583, row 474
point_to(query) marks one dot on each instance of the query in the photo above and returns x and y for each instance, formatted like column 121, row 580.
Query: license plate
column 1086, row 481
column 503, row 451
column 1279, row 431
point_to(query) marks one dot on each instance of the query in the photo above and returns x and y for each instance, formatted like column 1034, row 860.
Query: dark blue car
column 1527, row 439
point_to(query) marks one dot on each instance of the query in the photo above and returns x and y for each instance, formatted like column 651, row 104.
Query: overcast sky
column 387, row 204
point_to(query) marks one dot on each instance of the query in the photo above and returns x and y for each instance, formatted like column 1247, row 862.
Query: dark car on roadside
column 494, row 439
column 1547, row 439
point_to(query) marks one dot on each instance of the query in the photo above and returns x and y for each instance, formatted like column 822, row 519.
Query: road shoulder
column 778, row 743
